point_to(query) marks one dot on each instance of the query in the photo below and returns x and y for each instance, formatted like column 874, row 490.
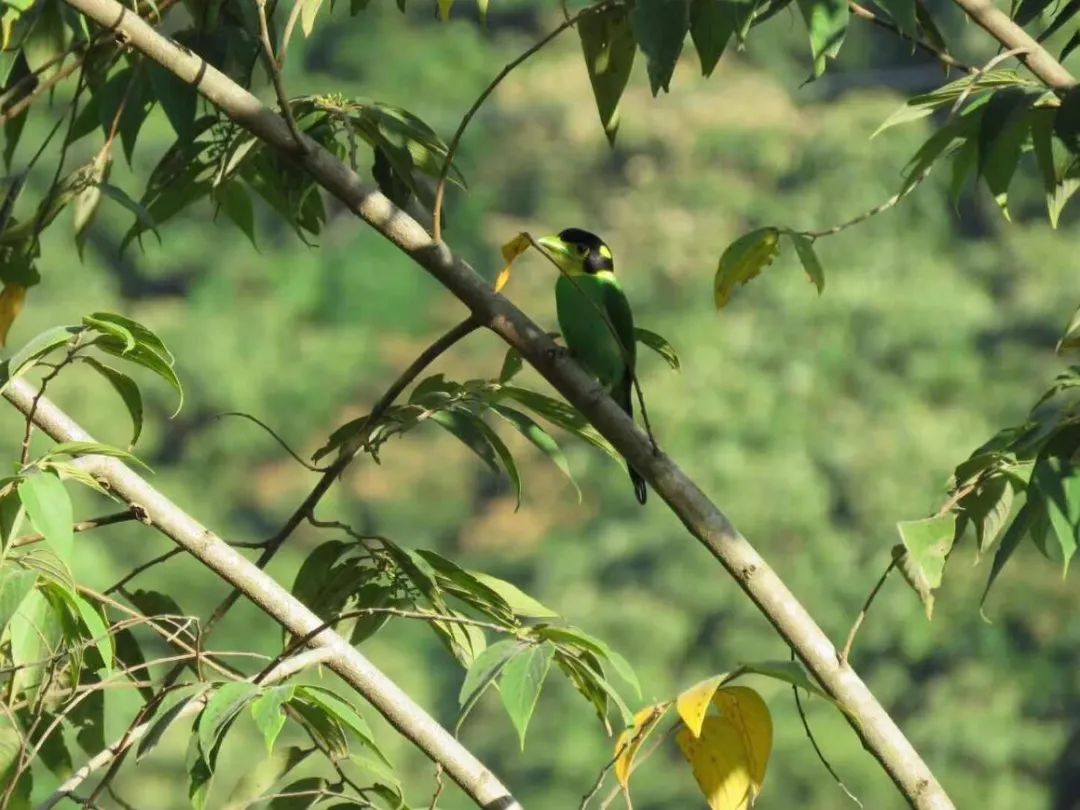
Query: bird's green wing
column 622, row 318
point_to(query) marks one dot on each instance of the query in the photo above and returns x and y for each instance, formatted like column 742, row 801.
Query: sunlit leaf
column 629, row 742
column 12, row 298
column 510, row 251
column 744, row 258
column 520, row 602
column 730, row 756
column 928, row 543
column 520, row 684
column 128, row 390
column 221, row 709
column 49, row 509
column 484, row 670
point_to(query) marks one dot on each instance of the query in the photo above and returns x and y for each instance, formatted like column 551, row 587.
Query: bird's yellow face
column 579, row 253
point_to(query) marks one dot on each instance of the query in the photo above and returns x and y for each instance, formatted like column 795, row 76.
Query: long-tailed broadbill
column 595, row 317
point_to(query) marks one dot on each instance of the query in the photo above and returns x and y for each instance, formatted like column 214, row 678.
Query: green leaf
column 236, row 203
column 128, row 390
column 96, row 628
column 118, row 195
column 85, row 204
column 224, row 704
column 144, row 336
column 1028, row 10
column 540, row 438
column 660, row 26
column 444, row 9
column 1004, row 128
column 660, row 345
column 130, row 656
column 512, row 364
column 504, row 454
column 36, row 348
column 260, row 779
column 608, row 45
column 1070, row 339
column 161, row 725
column 76, row 449
column 298, row 795
column 1067, row 120
column 520, row 684
column 804, row 247
column 467, row 428
column 15, row 586
column 712, row 23
column 788, row 671
column 1009, row 543
column 200, row 773
column 52, row 751
column 744, row 259
column 148, row 359
column 988, row 509
column 1059, row 483
column 177, row 98
column 928, row 543
column 49, row 509
column 578, row 639
column 904, row 14
column 520, row 602
column 341, row 710
column 563, row 416
column 268, row 714
column 484, row 670
column 308, row 12
column 826, row 21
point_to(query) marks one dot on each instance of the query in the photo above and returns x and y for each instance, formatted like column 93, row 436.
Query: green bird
column 586, row 287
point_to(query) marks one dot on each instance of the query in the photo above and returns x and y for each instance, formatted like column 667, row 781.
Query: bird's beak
column 558, row 249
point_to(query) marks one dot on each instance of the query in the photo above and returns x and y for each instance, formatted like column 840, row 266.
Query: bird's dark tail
column 624, row 396
column 639, row 485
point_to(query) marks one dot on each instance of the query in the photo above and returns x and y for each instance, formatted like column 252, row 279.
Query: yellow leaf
column 444, row 9
column 510, row 251
column 729, row 757
column 11, row 304
column 694, row 702
column 629, row 742
column 744, row 258
column 749, row 712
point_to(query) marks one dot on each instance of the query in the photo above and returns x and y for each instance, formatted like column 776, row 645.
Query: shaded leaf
column 224, row 704
column 804, row 247
column 608, row 45
column 660, row 26
column 177, row 98
column 1003, row 129
column 128, row 390
column 164, row 721
column 660, row 345
column 1058, row 481
column 712, row 23
column 540, row 438
column 484, row 670
column 826, row 21
column 1009, row 543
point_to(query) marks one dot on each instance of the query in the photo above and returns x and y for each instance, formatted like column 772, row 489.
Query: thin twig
column 139, row 569
column 451, row 150
column 24, row 453
column 81, row 526
column 284, row 445
column 438, row 786
column 814, row 743
column 846, row 652
column 274, row 69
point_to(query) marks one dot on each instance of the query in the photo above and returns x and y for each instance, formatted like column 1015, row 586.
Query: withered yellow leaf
column 629, row 742
column 11, row 303
column 695, row 701
column 730, row 754
column 744, row 258
column 510, row 251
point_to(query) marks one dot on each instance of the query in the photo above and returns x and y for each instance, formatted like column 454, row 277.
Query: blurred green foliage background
column 815, row 422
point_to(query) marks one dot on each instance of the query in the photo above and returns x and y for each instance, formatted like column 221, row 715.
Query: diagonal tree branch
column 168, row 518
column 702, row 518
column 1002, row 28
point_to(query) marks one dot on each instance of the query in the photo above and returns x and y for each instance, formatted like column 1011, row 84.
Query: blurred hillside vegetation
column 815, row 421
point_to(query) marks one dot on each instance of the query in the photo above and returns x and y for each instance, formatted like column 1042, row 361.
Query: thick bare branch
column 1037, row 59
column 702, row 518
column 168, row 518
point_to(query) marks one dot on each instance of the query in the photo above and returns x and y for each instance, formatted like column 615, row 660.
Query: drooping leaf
column 484, row 670
column 128, row 390
column 629, row 742
column 744, row 258
column 660, row 345
column 15, row 586
column 164, row 721
column 96, row 628
column 49, row 509
column 228, row 700
column 1067, row 120
column 467, row 428
column 804, row 248
column 730, row 756
column 1058, row 482
column 178, row 99
column 512, row 364
column 1009, row 543
column 788, row 671
column 308, row 12
column 268, row 714
column 608, row 45
column 693, row 703
column 520, row 684
column 660, row 26
column 1004, row 128
column 540, row 438
column 928, row 543
column 712, row 23
column 1070, row 339
column 342, row 711
column 988, row 509
column 903, row 13
column 826, row 22
column 36, row 348
column 520, row 602
column 563, row 416
column 259, row 780
column 12, row 298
